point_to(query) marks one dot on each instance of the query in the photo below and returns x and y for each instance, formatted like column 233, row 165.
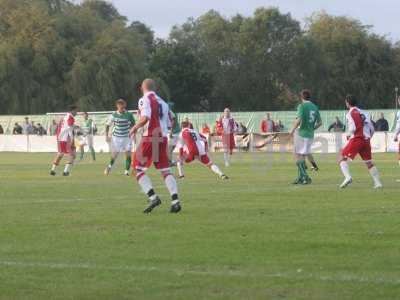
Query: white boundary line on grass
column 221, row 189
column 299, row 274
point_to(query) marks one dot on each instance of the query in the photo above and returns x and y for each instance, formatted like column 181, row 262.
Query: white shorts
column 302, row 145
column 86, row 140
column 121, row 144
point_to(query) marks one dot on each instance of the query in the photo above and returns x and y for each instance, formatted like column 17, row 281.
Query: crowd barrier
column 252, row 120
column 274, row 142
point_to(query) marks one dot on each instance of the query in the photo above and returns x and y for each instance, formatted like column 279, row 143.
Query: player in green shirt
column 175, row 130
column 121, row 121
column 308, row 120
column 88, row 129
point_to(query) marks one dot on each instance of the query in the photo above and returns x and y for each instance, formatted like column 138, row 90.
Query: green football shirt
column 309, row 115
column 87, row 127
column 177, row 127
column 122, row 123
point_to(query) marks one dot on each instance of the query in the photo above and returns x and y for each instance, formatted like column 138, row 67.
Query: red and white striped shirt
column 229, row 125
column 157, row 111
column 192, row 141
column 65, row 129
column 359, row 124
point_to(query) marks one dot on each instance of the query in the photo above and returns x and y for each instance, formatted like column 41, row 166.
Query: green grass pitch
column 253, row 237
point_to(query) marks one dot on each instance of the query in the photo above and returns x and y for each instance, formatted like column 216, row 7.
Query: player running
column 122, row 121
column 65, row 142
column 397, row 131
column 360, row 132
column 153, row 146
column 308, row 120
column 88, row 129
column 228, row 139
column 191, row 146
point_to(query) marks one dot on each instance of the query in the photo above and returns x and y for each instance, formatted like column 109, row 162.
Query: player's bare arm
column 397, row 133
column 296, row 125
column 108, row 133
column 141, row 123
column 318, row 124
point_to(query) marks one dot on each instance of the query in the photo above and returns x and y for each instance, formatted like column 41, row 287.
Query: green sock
column 301, row 165
column 112, row 161
column 82, row 153
column 128, row 162
column 299, row 170
column 93, row 153
column 304, row 169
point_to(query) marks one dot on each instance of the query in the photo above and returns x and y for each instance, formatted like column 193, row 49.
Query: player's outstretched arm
column 141, row 123
column 296, row 125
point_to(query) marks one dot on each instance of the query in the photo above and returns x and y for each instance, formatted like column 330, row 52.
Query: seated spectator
column 242, row 129
column 1, row 129
column 205, row 130
column 267, row 125
column 40, row 130
column 279, row 127
column 53, row 128
column 382, row 124
column 336, row 126
column 17, row 129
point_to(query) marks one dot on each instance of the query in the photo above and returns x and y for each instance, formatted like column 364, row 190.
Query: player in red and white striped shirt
column 65, row 142
column 153, row 146
column 361, row 130
column 191, row 146
column 228, row 137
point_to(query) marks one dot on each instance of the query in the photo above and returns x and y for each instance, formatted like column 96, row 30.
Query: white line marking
column 299, row 274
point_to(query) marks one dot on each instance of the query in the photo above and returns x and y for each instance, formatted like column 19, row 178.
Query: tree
column 354, row 61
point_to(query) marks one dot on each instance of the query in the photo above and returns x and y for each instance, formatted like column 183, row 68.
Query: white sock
column 53, row 167
column 344, row 166
column 216, row 170
column 67, row 168
column 375, row 175
column 170, row 182
column 226, row 158
column 179, row 166
column 145, row 184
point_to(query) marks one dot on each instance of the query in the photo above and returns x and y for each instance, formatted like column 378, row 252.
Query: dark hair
column 85, row 113
column 306, row 94
column 351, row 100
column 73, row 107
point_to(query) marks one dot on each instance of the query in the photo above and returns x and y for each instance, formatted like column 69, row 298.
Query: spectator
column 382, row 124
column 27, row 127
column 17, row 129
column 218, row 128
column 242, row 129
column 267, row 125
column 53, row 128
column 205, row 130
column 279, row 127
column 34, row 128
column 1, row 129
column 336, row 126
column 40, row 130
